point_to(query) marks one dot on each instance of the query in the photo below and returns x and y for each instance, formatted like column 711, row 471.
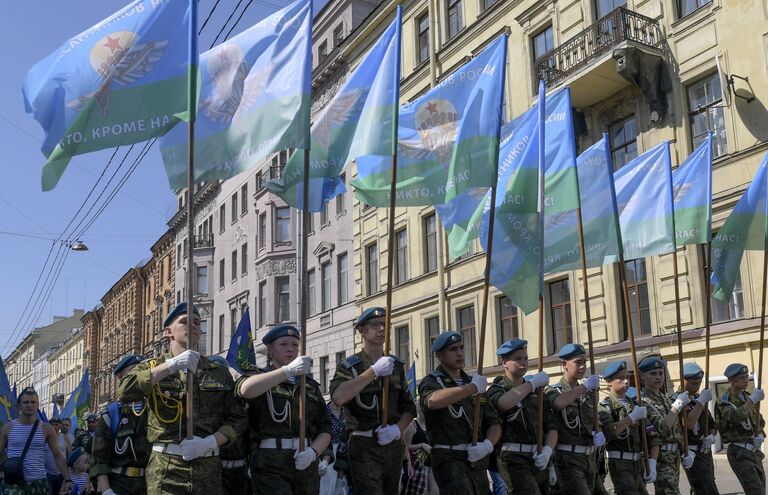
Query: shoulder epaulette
column 498, row 379
column 397, row 359
column 558, row 386
column 436, row 374
column 725, row 397
column 349, row 362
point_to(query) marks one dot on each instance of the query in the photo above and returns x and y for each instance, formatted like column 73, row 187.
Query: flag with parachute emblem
column 241, row 355
column 7, row 399
column 79, row 401
column 254, row 99
column 692, row 192
column 122, row 81
column 359, row 120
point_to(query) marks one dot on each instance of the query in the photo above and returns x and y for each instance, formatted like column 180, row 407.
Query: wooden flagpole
column 759, row 377
column 540, row 396
column 305, row 217
column 683, row 417
column 390, row 262
column 707, row 324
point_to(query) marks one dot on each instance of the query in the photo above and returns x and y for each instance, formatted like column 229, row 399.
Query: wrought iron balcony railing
column 608, row 32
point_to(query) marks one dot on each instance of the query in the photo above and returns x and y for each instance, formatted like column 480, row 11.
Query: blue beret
column 632, row 393
column 180, row 309
column 571, row 350
column 446, row 339
column 614, row 368
column 692, row 370
column 74, row 456
column 281, row 331
column 735, row 369
column 91, row 416
column 651, row 363
column 220, row 360
column 128, row 360
column 369, row 314
column 511, row 346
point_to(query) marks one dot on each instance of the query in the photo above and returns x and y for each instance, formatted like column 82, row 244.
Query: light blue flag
column 79, row 401
column 644, row 199
column 745, row 229
column 359, row 120
column 241, row 355
column 55, row 413
column 254, row 99
column 448, row 139
column 410, row 379
column 7, row 398
column 692, row 191
column 122, row 81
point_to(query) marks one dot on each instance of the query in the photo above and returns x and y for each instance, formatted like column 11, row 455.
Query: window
column 401, row 256
column 372, row 261
column 705, row 99
column 283, row 224
column 430, row 243
column 234, row 208
column 322, row 52
column 466, row 320
column 283, row 299
column 221, row 331
column 623, row 136
column 470, row 252
column 340, row 356
column 637, row 288
column 203, row 344
column 260, row 182
column 508, row 322
column 403, row 343
column 325, row 271
column 324, row 214
column 178, row 256
column 455, row 22
column 234, row 265
column 340, row 206
column 488, row 3
column 244, row 199
column 338, row 35
column 734, row 309
column 560, row 313
column 202, row 280
column 312, row 284
column 222, row 218
column 262, row 231
column 685, row 7
column 605, row 7
column 324, row 374
column 244, row 259
column 233, row 320
column 423, row 42
column 342, row 274
column 262, row 304
column 221, row 273
column 542, row 43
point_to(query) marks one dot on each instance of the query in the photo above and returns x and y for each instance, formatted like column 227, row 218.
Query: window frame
column 342, row 275
column 403, row 344
column 513, row 319
column 565, row 306
column 401, row 256
column 326, row 302
column 710, row 110
column 468, row 335
column 454, row 7
column 430, row 242
column 282, row 219
column 244, row 199
column 280, row 296
column 372, row 282
column 625, row 147
column 422, row 38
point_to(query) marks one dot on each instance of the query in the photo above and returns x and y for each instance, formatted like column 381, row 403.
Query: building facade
column 66, row 366
column 92, row 341
column 41, row 372
column 159, row 276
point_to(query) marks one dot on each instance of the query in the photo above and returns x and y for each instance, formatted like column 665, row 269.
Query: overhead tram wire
column 210, row 14
column 239, row 2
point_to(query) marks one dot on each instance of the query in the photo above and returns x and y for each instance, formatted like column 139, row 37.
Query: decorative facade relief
column 276, row 267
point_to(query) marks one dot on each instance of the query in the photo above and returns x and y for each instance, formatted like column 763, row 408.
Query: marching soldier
column 120, row 446
column 179, row 465
column 374, row 450
column 619, row 417
column 665, row 439
column 447, row 398
column 701, row 475
column 577, row 442
column 84, row 439
column 514, row 396
column 277, row 465
column 736, row 412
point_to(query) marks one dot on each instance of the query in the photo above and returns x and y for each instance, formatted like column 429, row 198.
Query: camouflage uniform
column 274, row 420
column 215, row 409
column 84, row 440
column 625, row 449
column 34, row 487
column 518, row 440
column 701, row 476
column 453, row 472
column 669, row 441
column 374, row 469
column 736, row 428
column 124, row 455
column 235, row 479
column 576, row 471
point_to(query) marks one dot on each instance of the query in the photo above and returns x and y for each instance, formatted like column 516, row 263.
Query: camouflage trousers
column 576, row 473
column 521, row 475
column 172, row 475
column 236, row 481
column 701, row 476
column 668, row 474
column 33, row 487
column 627, row 476
column 748, row 467
column 455, row 475
column 273, row 472
column 375, row 469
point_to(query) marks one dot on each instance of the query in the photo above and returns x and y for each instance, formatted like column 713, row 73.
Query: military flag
column 448, row 139
column 7, row 398
column 359, row 120
column 79, row 401
column 692, row 192
column 55, row 413
column 410, row 378
column 254, row 99
column 122, row 81
column 241, row 355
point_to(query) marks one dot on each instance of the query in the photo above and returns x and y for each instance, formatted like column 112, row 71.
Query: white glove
column 387, row 434
column 592, row 382
column 304, row 458
column 477, row 452
column 384, row 366
column 552, row 476
column 651, row 476
column 638, row 413
column 480, row 382
column 299, row 366
column 682, row 400
column 540, row 379
column 707, row 442
column 187, row 360
column 688, row 459
column 757, row 441
column 704, row 397
column 192, row 448
column 541, row 460
column 598, row 439
column 757, row 396
column 108, row 491
column 322, row 468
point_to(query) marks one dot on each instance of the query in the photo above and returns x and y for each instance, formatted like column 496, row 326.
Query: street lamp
column 78, row 246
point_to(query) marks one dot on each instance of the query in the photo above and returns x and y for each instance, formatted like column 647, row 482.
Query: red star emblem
column 432, row 107
column 112, row 43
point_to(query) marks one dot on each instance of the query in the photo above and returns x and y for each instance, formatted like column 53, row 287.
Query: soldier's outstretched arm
column 256, row 385
column 565, row 399
column 514, row 396
column 444, row 397
column 349, row 388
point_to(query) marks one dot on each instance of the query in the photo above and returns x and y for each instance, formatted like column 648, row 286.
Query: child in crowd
column 78, row 462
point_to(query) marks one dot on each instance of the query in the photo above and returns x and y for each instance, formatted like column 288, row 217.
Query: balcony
column 585, row 62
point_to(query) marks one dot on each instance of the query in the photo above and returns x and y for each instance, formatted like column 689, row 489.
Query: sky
column 118, row 238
